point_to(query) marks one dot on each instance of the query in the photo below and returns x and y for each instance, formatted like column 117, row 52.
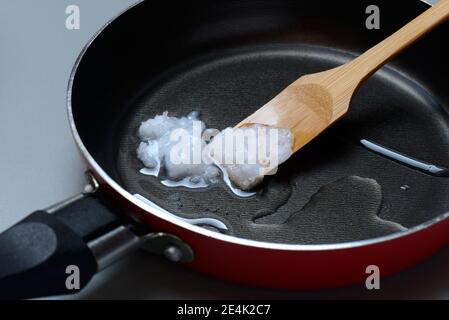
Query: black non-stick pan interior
column 226, row 59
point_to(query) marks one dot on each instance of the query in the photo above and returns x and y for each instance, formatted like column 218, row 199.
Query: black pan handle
column 48, row 253
column 38, row 255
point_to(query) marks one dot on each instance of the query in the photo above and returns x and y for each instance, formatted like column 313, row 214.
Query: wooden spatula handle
column 313, row 102
column 366, row 64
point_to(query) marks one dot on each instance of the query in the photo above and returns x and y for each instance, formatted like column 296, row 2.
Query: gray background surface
column 39, row 164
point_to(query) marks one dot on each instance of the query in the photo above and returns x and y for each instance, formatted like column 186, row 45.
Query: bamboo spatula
column 313, row 102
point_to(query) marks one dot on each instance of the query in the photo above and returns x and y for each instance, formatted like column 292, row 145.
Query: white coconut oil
column 180, row 152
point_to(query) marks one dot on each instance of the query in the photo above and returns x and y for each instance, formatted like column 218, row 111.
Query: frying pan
column 372, row 190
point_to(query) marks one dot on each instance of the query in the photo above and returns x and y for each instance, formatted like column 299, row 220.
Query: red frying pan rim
column 207, row 233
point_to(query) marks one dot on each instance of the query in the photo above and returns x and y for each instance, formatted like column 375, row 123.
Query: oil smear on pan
column 182, row 152
column 203, row 222
column 342, row 211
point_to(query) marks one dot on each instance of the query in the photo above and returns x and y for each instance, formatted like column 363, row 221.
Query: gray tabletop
column 39, row 164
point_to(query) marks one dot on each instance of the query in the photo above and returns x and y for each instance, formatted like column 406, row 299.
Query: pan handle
column 37, row 255
column 58, row 251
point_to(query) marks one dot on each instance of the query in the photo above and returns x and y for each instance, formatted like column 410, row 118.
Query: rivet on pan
column 92, row 185
column 168, row 245
column 173, row 253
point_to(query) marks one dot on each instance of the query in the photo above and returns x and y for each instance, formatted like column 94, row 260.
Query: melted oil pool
column 342, row 211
